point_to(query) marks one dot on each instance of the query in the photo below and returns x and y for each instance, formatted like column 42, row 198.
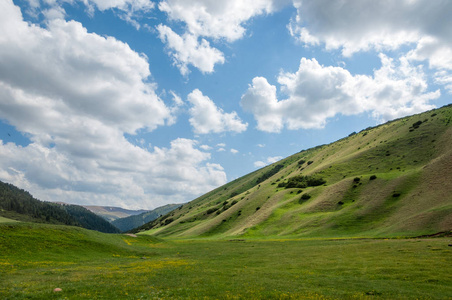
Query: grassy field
column 35, row 259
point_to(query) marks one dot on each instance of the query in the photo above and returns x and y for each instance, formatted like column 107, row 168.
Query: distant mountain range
column 134, row 221
column 111, row 213
column 391, row 180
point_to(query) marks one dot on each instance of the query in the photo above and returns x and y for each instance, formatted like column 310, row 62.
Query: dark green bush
column 417, row 124
column 373, row 177
column 356, row 179
column 269, row 173
column 305, row 196
column 211, row 210
column 302, row 182
column 233, row 194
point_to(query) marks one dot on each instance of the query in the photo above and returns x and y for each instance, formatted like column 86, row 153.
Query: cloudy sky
column 139, row 103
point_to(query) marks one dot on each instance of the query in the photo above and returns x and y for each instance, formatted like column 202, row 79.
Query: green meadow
column 37, row 258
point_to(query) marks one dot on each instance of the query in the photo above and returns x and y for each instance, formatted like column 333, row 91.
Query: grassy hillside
column 134, row 221
column 19, row 205
column 37, row 258
column 390, row 180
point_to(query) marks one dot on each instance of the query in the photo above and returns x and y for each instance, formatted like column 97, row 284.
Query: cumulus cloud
column 422, row 24
column 370, row 23
column 217, row 20
column 316, row 93
column 268, row 161
column 206, row 117
column 76, row 94
column 128, row 10
column 205, row 147
column 234, row 151
column 187, row 50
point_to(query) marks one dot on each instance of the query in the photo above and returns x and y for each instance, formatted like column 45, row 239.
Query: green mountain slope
column 390, row 180
column 17, row 204
column 90, row 220
column 131, row 222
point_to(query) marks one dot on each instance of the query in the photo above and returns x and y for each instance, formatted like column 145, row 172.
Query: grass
column 412, row 162
column 35, row 259
column 6, row 220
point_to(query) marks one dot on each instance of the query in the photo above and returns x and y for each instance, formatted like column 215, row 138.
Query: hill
column 90, row 220
column 134, row 221
column 17, row 204
column 391, row 180
column 111, row 213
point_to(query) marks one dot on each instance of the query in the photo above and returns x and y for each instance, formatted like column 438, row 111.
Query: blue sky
column 140, row 103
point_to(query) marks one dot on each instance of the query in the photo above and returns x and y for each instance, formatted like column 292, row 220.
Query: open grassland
column 36, row 258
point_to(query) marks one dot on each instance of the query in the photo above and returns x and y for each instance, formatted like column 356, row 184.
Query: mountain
column 111, row 213
column 391, row 180
column 131, row 222
column 20, row 205
column 89, row 220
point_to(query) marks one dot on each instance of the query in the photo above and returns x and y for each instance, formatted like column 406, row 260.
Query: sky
column 141, row 103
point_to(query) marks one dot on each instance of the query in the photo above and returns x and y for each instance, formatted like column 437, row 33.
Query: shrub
column 211, row 210
column 305, row 196
column 356, row 179
column 257, row 208
column 233, row 194
column 269, row 173
column 169, row 220
column 302, row 182
column 310, row 162
column 301, row 161
column 373, row 177
column 417, row 124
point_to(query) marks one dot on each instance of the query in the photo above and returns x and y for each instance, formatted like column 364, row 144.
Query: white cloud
column 221, row 145
column 185, row 50
column 234, row 151
column 76, row 94
column 175, row 108
column 124, row 5
column 268, row 161
column 205, row 147
column 370, row 24
column 128, row 10
column 444, row 78
column 206, row 117
column 423, row 25
column 217, row 20
column 316, row 93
